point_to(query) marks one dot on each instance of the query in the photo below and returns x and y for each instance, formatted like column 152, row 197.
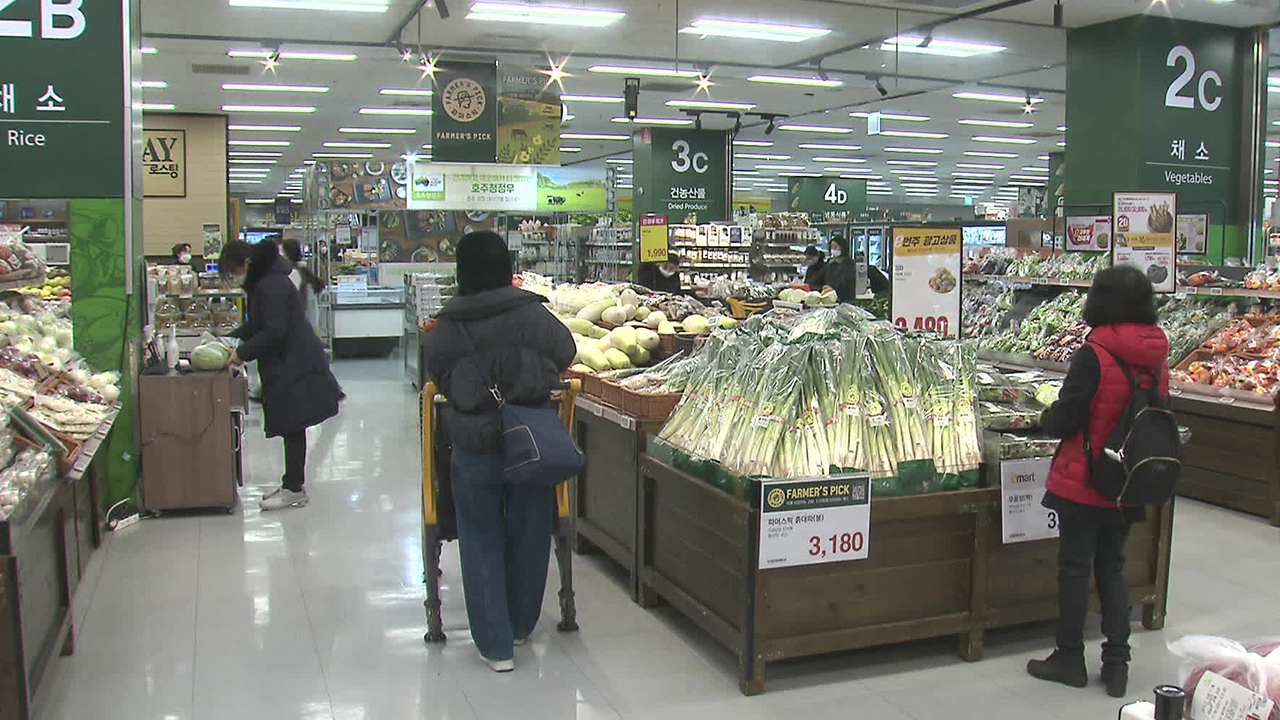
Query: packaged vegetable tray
column 1014, row 416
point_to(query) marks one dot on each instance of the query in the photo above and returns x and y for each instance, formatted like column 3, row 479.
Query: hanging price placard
column 926, row 279
column 653, row 238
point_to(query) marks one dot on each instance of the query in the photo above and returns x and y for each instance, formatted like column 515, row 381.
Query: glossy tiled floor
column 317, row 613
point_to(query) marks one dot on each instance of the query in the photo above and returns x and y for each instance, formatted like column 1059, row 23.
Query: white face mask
column 665, row 272
column 836, row 252
column 184, row 258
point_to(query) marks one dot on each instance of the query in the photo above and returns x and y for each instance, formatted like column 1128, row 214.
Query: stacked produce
column 1063, row 346
column 995, row 262
column 1263, row 278
column 30, row 467
column 1043, row 323
column 1014, row 401
column 983, row 306
column 809, row 298
column 17, row 261
column 723, row 287
column 1188, row 321
column 630, row 331
column 1244, row 355
column 832, row 391
column 1067, row 266
column 56, row 286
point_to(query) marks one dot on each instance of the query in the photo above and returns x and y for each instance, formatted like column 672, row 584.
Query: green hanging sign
column 464, row 112
column 826, row 195
column 682, row 173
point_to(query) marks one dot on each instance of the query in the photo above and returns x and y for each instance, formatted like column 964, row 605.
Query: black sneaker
column 1116, row 678
column 1060, row 668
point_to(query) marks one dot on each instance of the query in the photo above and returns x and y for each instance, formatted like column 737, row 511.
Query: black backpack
column 1141, row 462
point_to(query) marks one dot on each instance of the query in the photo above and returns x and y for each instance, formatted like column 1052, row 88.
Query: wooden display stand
column 606, row 492
column 191, row 429
column 1232, row 459
column 937, row 567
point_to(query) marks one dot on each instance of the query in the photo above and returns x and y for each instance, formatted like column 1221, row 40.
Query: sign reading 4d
column 58, row 20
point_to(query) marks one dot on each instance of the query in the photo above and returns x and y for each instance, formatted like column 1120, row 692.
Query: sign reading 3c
column 699, row 161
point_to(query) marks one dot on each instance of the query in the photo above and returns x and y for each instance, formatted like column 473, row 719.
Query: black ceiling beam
column 395, row 36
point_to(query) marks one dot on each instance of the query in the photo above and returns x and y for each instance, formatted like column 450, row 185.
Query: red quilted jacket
column 1142, row 347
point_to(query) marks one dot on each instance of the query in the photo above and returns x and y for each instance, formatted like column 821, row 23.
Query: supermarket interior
column 873, row 305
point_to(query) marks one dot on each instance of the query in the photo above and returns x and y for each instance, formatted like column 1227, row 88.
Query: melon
column 654, row 319
column 617, row 359
column 614, row 315
column 696, row 324
column 639, row 355
column 592, row 312
column 642, row 312
column 648, row 339
column 595, row 358
column 667, row 327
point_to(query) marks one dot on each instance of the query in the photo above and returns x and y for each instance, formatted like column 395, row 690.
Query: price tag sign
column 1023, row 518
column 808, row 522
column 1089, row 232
column 1217, row 698
column 653, row 238
column 1144, row 235
column 926, row 279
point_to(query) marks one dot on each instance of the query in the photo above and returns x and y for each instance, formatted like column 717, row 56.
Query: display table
column 191, row 431
column 937, row 567
column 44, row 550
column 1232, row 458
column 605, row 493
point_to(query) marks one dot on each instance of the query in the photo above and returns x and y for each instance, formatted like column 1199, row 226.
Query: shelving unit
column 608, row 254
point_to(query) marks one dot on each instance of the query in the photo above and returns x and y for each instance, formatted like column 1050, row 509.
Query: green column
column 1160, row 105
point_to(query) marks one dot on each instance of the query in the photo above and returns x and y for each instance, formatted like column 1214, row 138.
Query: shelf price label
column 1022, row 485
column 653, row 238
column 813, row 521
column 926, row 279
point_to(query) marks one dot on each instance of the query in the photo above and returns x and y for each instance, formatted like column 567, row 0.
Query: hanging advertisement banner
column 572, row 189
column 682, row 173
column 926, row 279
column 472, row 187
column 464, row 120
column 653, row 238
column 1144, row 235
column 807, row 522
column 1193, row 234
column 1089, row 232
column 529, row 116
column 1023, row 518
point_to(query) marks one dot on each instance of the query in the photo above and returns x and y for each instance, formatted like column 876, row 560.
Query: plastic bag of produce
column 1009, row 417
column 210, row 356
column 1255, row 665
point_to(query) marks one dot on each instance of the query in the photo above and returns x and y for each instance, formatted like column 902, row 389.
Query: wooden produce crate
column 937, row 566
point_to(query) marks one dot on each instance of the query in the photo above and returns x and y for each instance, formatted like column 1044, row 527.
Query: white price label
column 1023, row 518
column 807, row 522
column 1217, row 698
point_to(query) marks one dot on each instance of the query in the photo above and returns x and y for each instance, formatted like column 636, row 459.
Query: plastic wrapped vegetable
column 1255, row 665
column 210, row 356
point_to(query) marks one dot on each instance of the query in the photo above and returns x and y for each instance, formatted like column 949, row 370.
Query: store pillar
column 1158, row 105
column 70, row 129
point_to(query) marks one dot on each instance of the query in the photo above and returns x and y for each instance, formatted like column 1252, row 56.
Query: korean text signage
column 807, row 522
column 826, row 195
column 472, row 187
column 682, row 173
column 653, row 238
column 1193, row 234
column 1144, row 235
column 1089, row 232
column 61, row 125
column 164, row 163
column 1022, row 487
column 926, row 279
column 464, row 120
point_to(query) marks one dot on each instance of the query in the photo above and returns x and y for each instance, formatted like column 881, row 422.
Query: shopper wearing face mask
column 815, row 268
column 840, row 274
column 182, row 253
column 662, row 276
column 298, row 389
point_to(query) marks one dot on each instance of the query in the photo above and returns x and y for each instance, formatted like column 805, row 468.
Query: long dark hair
column 293, row 251
column 1120, row 294
column 264, row 257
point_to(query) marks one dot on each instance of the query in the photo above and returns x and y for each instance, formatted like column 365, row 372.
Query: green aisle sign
column 683, row 174
column 826, row 195
column 61, row 90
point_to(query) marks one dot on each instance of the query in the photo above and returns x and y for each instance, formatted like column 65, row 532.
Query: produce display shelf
column 1230, row 292
column 8, row 285
column 695, row 246
column 1030, row 281
column 89, row 450
column 788, row 305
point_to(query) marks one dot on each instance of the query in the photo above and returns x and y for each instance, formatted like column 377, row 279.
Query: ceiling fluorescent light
column 543, row 15
column 258, row 201
column 914, row 134
column 335, row 144
column 816, row 129
column 256, row 87
column 411, row 92
column 787, row 80
column 754, row 143
column 369, row 6
column 980, row 166
column 266, row 128
column 378, row 131
column 255, row 161
column 569, row 149
column 970, row 174
column 705, row 27
column 923, row 151
column 930, row 45
column 832, row 159
column 912, row 163
column 892, row 116
column 260, row 143
column 620, row 161
column 745, row 172
column 1021, row 183
column 238, row 181
column 908, row 171
column 1033, row 168
column 759, row 156
column 148, row 50
column 1026, row 177
column 779, row 167
column 996, row 97
column 285, row 55
column 829, row 146
column 652, row 71
column 395, row 111
column 992, row 154
column 653, row 121
column 153, row 84
column 592, row 98
column 799, row 174
column 269, row 108
column 710, row 105
column 157, row 106
column 593, row 136
column 250, row 153
column 358, row 156
column 1005, row 140
column 998, row 123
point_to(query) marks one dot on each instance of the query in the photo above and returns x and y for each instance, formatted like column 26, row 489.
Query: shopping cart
column 439, row 525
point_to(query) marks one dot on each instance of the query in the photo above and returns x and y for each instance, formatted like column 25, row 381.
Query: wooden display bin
column 937, row 567
column 1232, row 458
column 606, row 492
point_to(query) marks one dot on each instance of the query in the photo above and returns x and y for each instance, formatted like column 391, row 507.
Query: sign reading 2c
column 699, row 162
column 1174, row 98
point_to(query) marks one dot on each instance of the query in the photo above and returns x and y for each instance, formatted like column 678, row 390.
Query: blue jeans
column 504, row 534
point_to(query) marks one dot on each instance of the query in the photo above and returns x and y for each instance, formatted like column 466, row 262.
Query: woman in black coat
column 495, row 333
column 298, row 389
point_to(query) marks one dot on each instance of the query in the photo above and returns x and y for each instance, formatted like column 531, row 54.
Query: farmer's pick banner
column 464, row 107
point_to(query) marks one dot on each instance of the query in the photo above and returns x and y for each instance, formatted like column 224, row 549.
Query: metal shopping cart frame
column 438, row 524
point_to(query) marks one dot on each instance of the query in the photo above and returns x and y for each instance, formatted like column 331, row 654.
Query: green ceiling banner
column 464, row 107
column 823, row 196
column 682, row 173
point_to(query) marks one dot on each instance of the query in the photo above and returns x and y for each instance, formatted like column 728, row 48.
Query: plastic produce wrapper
column 1255, row 665
column 1009, row 417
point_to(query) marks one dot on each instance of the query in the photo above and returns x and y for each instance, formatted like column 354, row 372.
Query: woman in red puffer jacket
column 1121, row 310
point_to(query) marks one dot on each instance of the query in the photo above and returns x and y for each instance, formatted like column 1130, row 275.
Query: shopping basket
column 439, row 524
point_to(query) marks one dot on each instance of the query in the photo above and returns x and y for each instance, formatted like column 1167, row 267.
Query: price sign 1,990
column 836, row 545
column 939, row 324
column 498, row 188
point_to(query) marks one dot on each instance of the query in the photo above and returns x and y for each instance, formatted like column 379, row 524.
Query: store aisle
column 317, row 614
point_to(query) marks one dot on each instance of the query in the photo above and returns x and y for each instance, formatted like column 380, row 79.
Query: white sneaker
column 499, row 666
column 283, row 498
column 521, row 641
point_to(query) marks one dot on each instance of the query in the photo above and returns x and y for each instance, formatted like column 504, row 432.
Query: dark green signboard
column 826, row 195
column 464, row 112
column 61, row 99
column 683, row 174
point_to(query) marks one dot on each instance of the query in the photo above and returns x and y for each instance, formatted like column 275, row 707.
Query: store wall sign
column 1089, row 233
column 464, row 120
column 164, row 163
column 808, row 522
column 653, row 238
column 472, row 187
column 1022, row 487
column 826, row 195
column 61, row 127
column 926, row 279
column 1144, row 235
column 683, row 173
column 1193, row 233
